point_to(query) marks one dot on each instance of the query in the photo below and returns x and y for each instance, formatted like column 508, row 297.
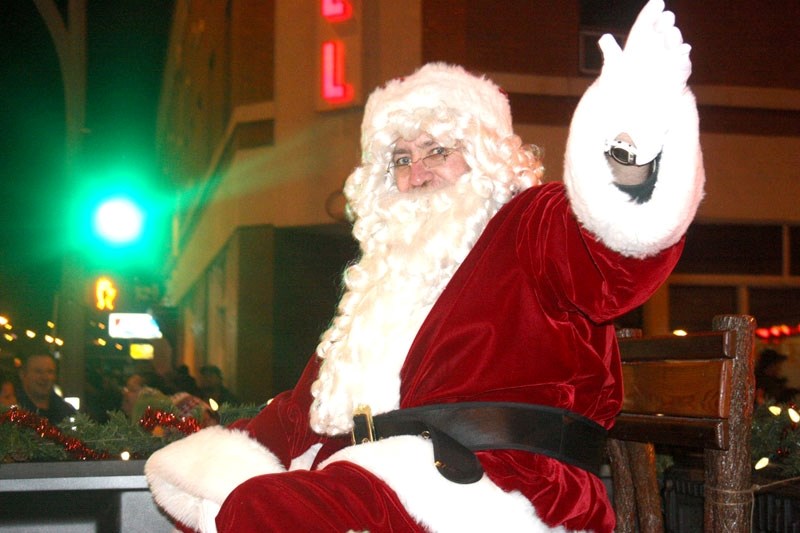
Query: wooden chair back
column 694, row 391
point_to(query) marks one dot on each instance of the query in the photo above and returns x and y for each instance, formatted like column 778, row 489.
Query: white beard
column 405, row 266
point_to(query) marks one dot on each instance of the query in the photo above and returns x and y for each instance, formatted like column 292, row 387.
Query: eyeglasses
column 402, row 167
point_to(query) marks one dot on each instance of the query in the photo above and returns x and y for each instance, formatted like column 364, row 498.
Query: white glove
column 642, row 84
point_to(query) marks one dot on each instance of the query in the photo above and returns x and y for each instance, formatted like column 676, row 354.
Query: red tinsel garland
column 46, row 430
column 151, row 419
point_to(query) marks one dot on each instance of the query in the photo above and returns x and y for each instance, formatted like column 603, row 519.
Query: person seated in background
column 771, row 385
column 212, row 386
column 103, row 393
column 137, row 387
column 181, row 380
column 140, row 392
column 8, row 392
column 38, row 376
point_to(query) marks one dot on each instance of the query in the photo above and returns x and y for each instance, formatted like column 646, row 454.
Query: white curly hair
column 412, row 243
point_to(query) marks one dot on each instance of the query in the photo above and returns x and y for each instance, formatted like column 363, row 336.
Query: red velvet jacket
column 526, row 318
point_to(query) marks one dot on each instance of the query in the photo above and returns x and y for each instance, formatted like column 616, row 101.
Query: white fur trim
column 405, row 463
column 306, row 459
column 191, row 477
column 635, row 230
column 437, row 86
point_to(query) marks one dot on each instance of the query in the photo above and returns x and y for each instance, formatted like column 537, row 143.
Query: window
column 614, row 16
column 775, row 306
column 692, row 307
column 599, row 17
column 732, row 249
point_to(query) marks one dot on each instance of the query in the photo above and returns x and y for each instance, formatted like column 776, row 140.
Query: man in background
column 212, row 386
column 37, row 394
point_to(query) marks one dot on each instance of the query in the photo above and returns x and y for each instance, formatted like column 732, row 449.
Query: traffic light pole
column 69, row 38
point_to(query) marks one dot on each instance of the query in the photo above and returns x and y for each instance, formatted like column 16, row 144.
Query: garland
column 25, row 436
column 44, row 429
column 775, row 439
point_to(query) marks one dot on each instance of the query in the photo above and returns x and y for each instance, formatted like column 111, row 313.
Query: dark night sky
column 126, row 45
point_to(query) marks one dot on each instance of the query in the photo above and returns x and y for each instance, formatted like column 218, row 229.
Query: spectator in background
column 103, row 394
column 141, row 392
column 182, row 381
column 145, row 386
column 37, row 394
column 144, row 389
column 212, row 386
column 770, row 383
column 8, row 393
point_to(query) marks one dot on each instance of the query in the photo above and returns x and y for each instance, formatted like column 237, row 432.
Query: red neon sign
column 338, row 38
column 336, row 10
column 334, row 88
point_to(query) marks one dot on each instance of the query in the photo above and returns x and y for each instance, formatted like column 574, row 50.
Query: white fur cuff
column 191, row 477
column 634, row 230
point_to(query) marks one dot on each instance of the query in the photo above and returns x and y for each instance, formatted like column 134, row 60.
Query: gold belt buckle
column 363, row 426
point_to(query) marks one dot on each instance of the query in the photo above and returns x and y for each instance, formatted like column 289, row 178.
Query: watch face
column 621, row 155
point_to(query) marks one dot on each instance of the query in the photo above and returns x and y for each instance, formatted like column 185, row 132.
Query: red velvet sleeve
column 283, row 425
column 573, row 270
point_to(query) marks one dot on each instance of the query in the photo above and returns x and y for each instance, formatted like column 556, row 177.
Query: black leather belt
column 456, row 430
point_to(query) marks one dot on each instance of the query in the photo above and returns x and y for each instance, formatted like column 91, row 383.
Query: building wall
column 246, row 143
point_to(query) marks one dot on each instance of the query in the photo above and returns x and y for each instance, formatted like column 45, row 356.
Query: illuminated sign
column 142, row 351
column 133, row 326
column 339, row 39
column 334, row 88
column 336, row 10
column 105, row 294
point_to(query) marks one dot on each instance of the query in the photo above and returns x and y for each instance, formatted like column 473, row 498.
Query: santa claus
column 471, row 371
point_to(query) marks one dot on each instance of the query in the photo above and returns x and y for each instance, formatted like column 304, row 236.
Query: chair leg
column 728, row 498
column 622, row 482
column 648, row 495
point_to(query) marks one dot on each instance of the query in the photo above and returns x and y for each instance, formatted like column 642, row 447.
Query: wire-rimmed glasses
column 401, row 168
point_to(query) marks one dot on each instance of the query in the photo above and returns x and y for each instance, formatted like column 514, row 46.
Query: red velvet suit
column 526, row 318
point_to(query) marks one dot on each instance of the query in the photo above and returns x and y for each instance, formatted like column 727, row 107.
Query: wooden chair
column 694, row 391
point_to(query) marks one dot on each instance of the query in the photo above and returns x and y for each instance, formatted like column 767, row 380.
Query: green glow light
column 119, row 220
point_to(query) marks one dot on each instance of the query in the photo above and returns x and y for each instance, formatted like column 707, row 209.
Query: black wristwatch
column 622, row 152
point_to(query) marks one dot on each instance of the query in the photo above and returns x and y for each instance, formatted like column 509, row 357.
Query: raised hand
column 644, row 81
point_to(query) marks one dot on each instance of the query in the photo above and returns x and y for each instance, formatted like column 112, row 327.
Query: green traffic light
column 119, row 221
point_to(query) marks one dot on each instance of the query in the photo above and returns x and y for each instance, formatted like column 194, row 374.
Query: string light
column 762, row 463
column 6, row 324
column 777, row 331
